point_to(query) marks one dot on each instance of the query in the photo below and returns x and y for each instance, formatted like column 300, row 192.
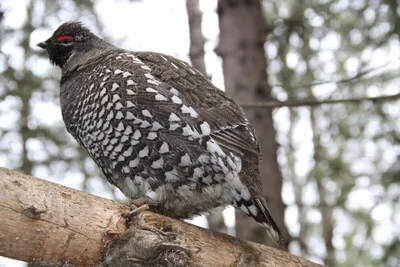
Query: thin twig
column 302, row 103
column 346, row 80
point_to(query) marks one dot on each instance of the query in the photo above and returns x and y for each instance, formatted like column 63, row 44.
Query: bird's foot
column 138, row 210
column 141, row 204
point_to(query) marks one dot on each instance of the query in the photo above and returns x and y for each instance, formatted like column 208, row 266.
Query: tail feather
column 256, row 208
column 266, row 220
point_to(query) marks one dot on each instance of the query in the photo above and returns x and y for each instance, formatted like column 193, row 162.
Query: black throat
column 59, row 53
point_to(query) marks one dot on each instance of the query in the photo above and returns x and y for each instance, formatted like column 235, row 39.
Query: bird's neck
column 82, row 59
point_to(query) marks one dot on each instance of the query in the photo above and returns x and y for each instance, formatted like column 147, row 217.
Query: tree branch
column 353, row 78
column 47, row 223
column 302, row 103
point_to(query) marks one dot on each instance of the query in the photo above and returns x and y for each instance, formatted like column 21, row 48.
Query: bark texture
column 243, row 32
column 52, row 225
column 197, row 41
column 45, row 222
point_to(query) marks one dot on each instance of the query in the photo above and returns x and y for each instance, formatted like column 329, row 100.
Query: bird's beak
column 42, row 45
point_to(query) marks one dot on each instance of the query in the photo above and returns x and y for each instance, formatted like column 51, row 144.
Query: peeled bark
column 242, row 37
column 52, row 225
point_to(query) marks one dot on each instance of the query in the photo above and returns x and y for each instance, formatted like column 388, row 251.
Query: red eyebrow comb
column 64, row 37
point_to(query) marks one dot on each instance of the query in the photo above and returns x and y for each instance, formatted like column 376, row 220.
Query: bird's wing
column 227, row 121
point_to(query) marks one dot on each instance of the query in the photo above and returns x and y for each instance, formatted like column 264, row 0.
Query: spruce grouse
column 156, row 126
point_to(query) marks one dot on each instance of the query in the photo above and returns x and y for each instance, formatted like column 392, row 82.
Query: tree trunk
column 196, row 53
column 53, row 225
column 196, row 50
column 242, row 36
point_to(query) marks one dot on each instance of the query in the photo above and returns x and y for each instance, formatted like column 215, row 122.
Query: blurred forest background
column 325, row 71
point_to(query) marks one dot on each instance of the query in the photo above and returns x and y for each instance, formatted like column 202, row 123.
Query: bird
column 158, row 128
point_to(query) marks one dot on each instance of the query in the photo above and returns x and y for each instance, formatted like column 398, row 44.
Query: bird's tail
column 258, row 210
column 264, row 218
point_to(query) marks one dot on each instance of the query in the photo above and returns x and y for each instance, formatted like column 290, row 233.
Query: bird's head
column 69, row 40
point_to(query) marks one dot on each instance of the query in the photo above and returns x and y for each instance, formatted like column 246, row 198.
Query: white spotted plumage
column 146, row 113
column 176, row 100
column 130, row 82
column 160, row 97
column 185, row 160
column 115, row 86
column 151, row 90
column 152, row 136
column 205, row 128
column 144, row 152
column 173, row 117
column 156, row 126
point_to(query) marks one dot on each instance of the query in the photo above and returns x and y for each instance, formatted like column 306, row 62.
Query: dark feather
column 229, row 126
column 266, row 220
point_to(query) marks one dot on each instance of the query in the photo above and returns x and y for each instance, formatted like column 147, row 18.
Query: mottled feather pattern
column 156, row 126
column 163, row 140
column 225, row 116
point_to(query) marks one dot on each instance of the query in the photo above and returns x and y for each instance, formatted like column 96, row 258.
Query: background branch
column 301, row 103
column 353, row 78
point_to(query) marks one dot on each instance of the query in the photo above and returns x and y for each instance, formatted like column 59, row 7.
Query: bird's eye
column 65, row 39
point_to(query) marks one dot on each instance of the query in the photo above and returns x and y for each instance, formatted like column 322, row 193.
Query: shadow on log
column 52, row 225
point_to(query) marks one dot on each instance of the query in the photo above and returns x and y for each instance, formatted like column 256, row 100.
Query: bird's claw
column 136, row 211
column 139, row 205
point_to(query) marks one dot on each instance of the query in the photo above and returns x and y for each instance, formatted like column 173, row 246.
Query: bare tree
column 197, row 41
column 243, row 31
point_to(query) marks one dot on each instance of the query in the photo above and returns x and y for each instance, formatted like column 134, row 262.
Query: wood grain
column 48, row 223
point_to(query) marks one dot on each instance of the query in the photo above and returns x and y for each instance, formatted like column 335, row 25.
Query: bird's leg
column 146, row 203
column 141, row 204
column 138, row 210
